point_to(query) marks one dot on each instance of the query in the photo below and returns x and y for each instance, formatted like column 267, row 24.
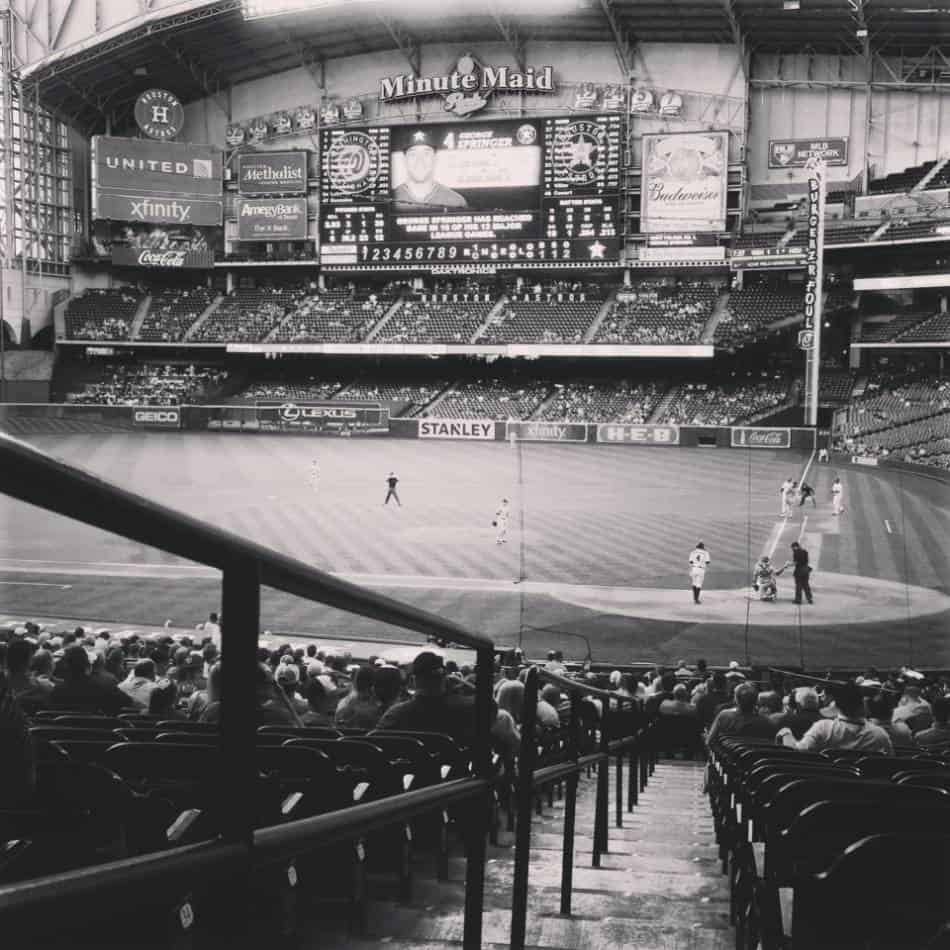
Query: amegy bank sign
column 469, row 86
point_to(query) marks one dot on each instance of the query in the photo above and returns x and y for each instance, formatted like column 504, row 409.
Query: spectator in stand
column 880, row 710
column 30, row 691
column 848, row 730
column 287, row 678
column 561, row 703
column 938, row 735
column 18, row 771
column 272, row 705
column 770, row 706
column 913, row 710
column 432, row 708
column 388, row 686
column 744, row 719
column 319, row 701
column 140, row 683
column 802, row 712
column 360, row 708
column 80, row 690
column 41, row 666
column 715, row 697
column 678, row 704
column 163, row 701
column 662, row 689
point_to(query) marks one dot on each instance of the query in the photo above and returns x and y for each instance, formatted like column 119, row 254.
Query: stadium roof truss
column 200, row 48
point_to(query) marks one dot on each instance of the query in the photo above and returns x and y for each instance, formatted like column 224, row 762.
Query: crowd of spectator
column 151, row 384
column 724, row 403
column 621, row 401
column 102, row 314
column 659, row 312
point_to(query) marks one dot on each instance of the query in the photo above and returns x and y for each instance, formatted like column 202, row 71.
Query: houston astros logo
column 353, row 163
column 579, row 152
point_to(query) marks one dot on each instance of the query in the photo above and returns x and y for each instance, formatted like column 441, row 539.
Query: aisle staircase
column 719, row 311
column 664, row 404
column 658, row 888
column 141, row 312
column 607, row 307
column 210, row 309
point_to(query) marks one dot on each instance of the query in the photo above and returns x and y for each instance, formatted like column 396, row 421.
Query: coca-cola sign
column 179, row 258
column 750, row 437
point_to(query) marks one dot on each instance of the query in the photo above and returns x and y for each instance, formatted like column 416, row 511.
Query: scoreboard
column 509, row 191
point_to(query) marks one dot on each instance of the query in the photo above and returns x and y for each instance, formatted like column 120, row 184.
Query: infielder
column 788, row 486
column 837, row 496
column 314, row 475
column 501, row 522
column 698, row 562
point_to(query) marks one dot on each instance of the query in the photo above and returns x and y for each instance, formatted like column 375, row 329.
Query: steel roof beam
column 510, row 34
column 206, row 82
column 625, row 43
column 405, row 42
column 67, row 15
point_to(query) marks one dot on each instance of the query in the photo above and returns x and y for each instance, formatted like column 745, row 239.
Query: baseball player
column 698, row 562
column 788, row 486
column 837, row 496
column 392, row 482
column 501, row 522
column 805, row 492
column 314, row 475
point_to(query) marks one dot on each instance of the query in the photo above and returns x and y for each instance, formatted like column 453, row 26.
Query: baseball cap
column 420, row 137
column 427, row 663
column 287, row 674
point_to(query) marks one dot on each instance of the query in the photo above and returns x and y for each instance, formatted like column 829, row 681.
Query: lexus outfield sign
column 760, row 437
column 272, row 219
column 483, row 429
column 272, row 173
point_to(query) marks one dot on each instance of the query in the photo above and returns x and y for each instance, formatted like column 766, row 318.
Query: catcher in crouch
column 763, row 578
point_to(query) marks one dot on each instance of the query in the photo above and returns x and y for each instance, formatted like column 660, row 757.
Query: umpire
column 801, row 573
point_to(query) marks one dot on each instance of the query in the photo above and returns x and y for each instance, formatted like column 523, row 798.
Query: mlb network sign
column 751, row 437
column 456, row 429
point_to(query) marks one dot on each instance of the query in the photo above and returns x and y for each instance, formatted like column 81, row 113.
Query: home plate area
column 838, row 597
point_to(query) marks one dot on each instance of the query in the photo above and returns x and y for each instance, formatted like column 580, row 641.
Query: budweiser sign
column 750, row 437
column 144, row 257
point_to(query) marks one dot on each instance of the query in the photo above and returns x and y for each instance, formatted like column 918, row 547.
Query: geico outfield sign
column 456, row 429
column 157, row 418
column 751, row 437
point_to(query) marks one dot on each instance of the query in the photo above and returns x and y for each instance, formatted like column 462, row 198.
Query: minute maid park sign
column 469, row 86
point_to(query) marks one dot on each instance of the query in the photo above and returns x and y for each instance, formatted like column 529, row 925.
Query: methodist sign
column 272, row 219
column 272, row 173
column 156, row 182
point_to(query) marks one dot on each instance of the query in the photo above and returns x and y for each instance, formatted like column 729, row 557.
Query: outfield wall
column 343, row 418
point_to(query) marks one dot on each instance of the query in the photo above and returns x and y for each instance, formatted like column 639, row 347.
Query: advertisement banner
column 153, row 167
column 457, row 429
column 814, row 249
column 148, row 417
column 864, row 460
column 156, row 209
column 640, row 435
column 794, row 153
column 177, row 259
column 272, row 173
column 318, row 416
column 760, row 437
column 272, row 219
column 685, row 182
column 547, row 431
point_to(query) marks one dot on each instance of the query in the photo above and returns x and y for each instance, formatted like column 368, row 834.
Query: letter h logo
column 160, row 115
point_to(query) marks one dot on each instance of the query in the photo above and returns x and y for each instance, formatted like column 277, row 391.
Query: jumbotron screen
column 509, row 191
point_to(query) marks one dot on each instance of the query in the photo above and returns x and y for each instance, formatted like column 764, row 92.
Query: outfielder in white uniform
column 501, row 522
column 314, row 475
column 788, row 486
column 837, row 496
column 698, row 562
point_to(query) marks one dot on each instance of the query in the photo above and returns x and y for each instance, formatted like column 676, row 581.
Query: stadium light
column 791, row 5
column 260, row 9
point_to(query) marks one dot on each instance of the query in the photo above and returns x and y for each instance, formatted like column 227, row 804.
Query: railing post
column 570, row 813
column 476, row 851
column 603, row 798
column 526, row 759
column 633, row 779
column 240, row 626
column 618, row 786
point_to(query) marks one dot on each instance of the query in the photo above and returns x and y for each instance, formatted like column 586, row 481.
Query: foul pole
column 809, row 339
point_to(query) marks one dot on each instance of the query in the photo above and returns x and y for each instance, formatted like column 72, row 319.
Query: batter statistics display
column 493, row 192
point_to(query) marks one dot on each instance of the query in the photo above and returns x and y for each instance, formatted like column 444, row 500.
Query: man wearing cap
column 420, row 191
column 432, row 708
column 79, row 690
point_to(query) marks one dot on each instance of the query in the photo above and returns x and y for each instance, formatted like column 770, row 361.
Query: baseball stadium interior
column 543, row 407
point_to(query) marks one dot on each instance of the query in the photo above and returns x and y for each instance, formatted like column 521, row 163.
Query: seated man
column 848, row 730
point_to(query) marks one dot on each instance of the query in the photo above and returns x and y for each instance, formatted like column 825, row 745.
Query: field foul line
column 779, row 527
column 887, row 525
column 34, row 584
